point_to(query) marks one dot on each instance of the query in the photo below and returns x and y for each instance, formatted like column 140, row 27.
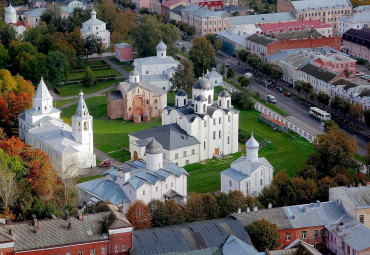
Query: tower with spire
column 82, row 132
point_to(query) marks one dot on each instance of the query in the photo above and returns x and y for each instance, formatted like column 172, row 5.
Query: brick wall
column 120, row 240
column 6, row 251
column 297, row 234
column 115, row 108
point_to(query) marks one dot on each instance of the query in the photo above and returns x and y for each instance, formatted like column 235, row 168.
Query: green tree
column 276, row 73
column 243, row 55
column 36, row 67
column 312, row 94
column 243, row 81
column 269, row 194
column 237, row 200
column 265, row 235
column 184, row 77
column 217, row 43
column 53, row 18
column 367, row 117
column 307, row 88
column 242, row 100
column 210, row 206
column 203, row 55
column 93, row 44
column 225, row 204
column 230, row 72
column 255, row 62
column 175, row 214
column 89, row 78
column 7, row 34
column 323, row 98
column 223, row 69
column 159, row 213
column 329, row 124
column 58, row 67
column 4, row 56
column 298, row 85
column 307, row 190
column 323, row 185
column 286, row 189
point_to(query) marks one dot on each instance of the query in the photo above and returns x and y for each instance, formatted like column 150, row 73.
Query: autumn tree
column 265, row 235
column 367, row 117
column 225, row 204
column 210, row 206
column 286, row 189
column 194, row 208
column 139, row 215
column 237, row 200
column 306, row 189
column 8, row 187
column 159, row 213
column 323, row 187
column 355, row 111
column 269, row 194
column 7, row 34
column 175, row 213
column 184, row 77
column 202, row 54
column 308, row 172
column 329, row 124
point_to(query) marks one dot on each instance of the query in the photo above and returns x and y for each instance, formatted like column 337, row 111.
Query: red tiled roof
column 292, row 25
column 172, row 2
column 21, row 23
column 273, row 120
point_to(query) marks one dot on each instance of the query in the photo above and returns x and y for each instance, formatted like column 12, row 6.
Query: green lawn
column 119, row 63
column 74, row 89
column 63, row 102
column 128, row 68
column 110, row 135
column 286, row 151
column 98, row 73
column 171, row 98
column 95, row 63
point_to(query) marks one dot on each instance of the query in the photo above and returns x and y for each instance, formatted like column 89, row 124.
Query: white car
column 271, row 99
column 179, row 43
column 360, row 74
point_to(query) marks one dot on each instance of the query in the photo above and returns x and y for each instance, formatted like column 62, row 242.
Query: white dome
column 10, row 10
column 252, row 143
column 93, row 12
column 161, row 46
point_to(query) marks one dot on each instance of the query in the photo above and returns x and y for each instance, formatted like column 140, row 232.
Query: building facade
column 357, row 20
column 136, row 100
column 356, row 43
column 248, row 174
column 96, row 27
column 69, row 148
column 123, row 52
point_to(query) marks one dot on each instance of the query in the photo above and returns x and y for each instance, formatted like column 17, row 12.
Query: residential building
column 356, row 201
column 248, row 174
column 356, row 43
column 305, row 222
column 214, row 77
column 361, row 8
column 106, row 232
column 157, row 70
column 234, row 10
column 168, row 6
column 205, row 21
column 237, row 21
column 124, row 184
column 69, row 148
column 348, row 236
column 357, row 20
column 210, row 4
column 328, row 11
column 206, row 237
column 204, row 128
column 136, row 100
column 123, row 52
column 96, row 27
column 143, row 4
column 33, row 16
column 175, row 13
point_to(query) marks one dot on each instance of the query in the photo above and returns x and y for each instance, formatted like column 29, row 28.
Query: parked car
column 366, row 77
column 280, row 89
column 179, row 43
column 248, row 75
column 227, row 64
column 287, row 94
column 360, row 73
column 104, row 163
column 271, row 99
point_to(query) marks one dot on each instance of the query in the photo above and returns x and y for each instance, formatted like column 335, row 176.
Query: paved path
column 116, row 66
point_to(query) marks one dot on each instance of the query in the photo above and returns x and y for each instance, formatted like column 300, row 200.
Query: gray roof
column 233, row 37
column 235, row 174
column 115, row 95
column 200, row 98
column 154, row 147
column 82, row 110
column 203, row 84
column 243, row 163
column 186, row 237
column 224, row 93
column 203, row 12
column 352, row 233
column 362, row 8
column 235, row 246
column 213, row 73
column 42, row 92
column 261, row 39
column 359, row 195
column 171, row 136
column 207, row 251
column 178, row 9
column 155, row 60
column 317, row 214
column 233, row 8
column 261, row 18
column 273, row 215
column 310, row 5
column 161, row 46
column 319, row 72
column 181, row 93
column 358, row 17
column 35, row 12
column 123, row 45
column 127, row 86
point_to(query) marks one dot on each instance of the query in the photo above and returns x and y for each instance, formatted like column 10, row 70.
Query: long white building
column 69, row 148
column 97, row 27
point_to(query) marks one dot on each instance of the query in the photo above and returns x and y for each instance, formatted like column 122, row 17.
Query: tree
column 148, row 33
column 367, row 117
column 175, row 214
column 223, row 70
column 323, row 185
column 225, row 204
column 53, row 18
column 298, row 85
column 159, row 213
column 184, row 77
column 237, row 200
column 323, row 98
column 89, row 78
column 276, row 73
column 58, row 67
column 330, row 124
column 243, row 55
column 312, row 94
column 242, row 100
column 307, row 190
column 286, row 189
column 139, row 215
column 203, row 55
column 217, row 43
column 255, row 62
column 269, row 194
column 264, row 234
column 230, row 72
column 355, row 111
column 210, row 206
column 341, row 180
column 243, row 81
column 307, row 88
column 4, row 56
column 194, row 208
column 340, row 104
column 8, row 187
column 93, row 45
column 7, row 34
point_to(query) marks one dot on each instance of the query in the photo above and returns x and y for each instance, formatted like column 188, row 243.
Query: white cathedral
column 195, row 129
column 69, row 148
column 97, row 27
column 248, row 174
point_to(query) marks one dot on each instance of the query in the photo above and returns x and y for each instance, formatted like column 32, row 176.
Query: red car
column 287, row 94
column 104, row 163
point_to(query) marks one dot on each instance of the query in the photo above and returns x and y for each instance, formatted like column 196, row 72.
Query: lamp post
column 266, row 91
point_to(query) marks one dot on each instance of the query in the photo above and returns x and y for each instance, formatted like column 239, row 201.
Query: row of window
column 103, row 250
column 156, row 188
column 323, row 13
column 304, row 234
column 184, row 153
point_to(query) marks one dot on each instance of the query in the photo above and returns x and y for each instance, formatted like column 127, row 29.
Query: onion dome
column 252, row 143
column 161, row 46
column 10, row 10
column 200, row 98
column 154, row 147
column 203, row 84
column 224, row 93
column 181, row 93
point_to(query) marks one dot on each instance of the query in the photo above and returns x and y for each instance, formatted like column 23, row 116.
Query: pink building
column 357, row 43
column 338, row 63
column 123, row 52
column 348, row 237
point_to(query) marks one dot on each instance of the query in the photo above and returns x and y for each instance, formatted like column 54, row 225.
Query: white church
column 248, row 174
column 97, row 27
column 195, row 129
column 11, row 19
column 69, row 148
column 138, row 180
column 157, row 69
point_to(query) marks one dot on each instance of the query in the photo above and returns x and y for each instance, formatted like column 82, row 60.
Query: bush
column 242, row 100
column 230, row 72
column 89, row 78
column 330, row 124
column 360, row 61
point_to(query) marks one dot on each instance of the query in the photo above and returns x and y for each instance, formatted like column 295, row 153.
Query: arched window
column 204, row 108
column 228, row 140
column 85, row 125
column 214, row 135
column 162, row 54
column 209, row 99
column 79, row 126
column 177, row 102
column 219, row 134
column 228, row 103
column 219, row 102
column 196, row 108
column 185, row 101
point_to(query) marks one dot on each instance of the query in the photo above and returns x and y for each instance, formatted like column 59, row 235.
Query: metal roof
column 319, row 72
column 155, row 60
column 359, row 195
column 262, row 18
column 42, row 92
column 35, row 12
column 208, row 251
column 235, row 174
column 127, row 86
column 358, row 17
column 186, row 237
column 235, row 246
column 261, row 39
column 310, row 5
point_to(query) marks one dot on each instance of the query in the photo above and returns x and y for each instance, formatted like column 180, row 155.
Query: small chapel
column 97, row 27
column 248, row 174
column 69, row 148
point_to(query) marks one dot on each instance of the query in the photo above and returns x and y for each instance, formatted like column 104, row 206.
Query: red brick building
column 97, row 233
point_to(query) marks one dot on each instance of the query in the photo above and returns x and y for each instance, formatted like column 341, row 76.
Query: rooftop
column 319, row 72
column 292, row 25
column 261, row 18
column 289, row 35
column 178, row 9
column 172, row 2
column 203, row 12
column 359, row 195
column 361, row 37
column 347, row 83
column 127, row 86
column 310, row 5
column 358, row 17
column 261, row 39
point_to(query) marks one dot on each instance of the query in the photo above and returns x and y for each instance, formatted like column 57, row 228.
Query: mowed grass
column 171, row 98
column 98, row 73
column 63, row 102
column 74, row 89
column 110, row 136
column 284, row 151
column 95, row 63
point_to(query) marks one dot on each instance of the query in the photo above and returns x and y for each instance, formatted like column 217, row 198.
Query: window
column 167, row 184
column 80, row 252
column 230, row 183
column 205, row 123
column 219, row 120
column 362, row 220
column 228, row 140
column 214, row 135
column 219, row 102
column 184, row 153
column 219, row 134
column 316, row 233
column 304, row 234
column 68, row 253
column 261, row 182
column 204, row 108
column 116, row 248
column 123, row 247
column 92, row 251
column 187, row 162
column 288, row 236
column 176, row 155
column 204, row 145
column 348, row 250
column 229, row 118
column 192, row 151
column 156, row 189
column 214, row 121
column 322, row 232
column 144, row 192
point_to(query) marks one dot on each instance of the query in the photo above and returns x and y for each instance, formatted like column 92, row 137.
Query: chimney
column 69, row 225
column 80, row 215
column 239, row 211
column 248, row 210
column 6, row 220
column 318, row 203
column 35, row 223
column 10, row 232
column 304, row 209
column 255, row 208
column 339, row 202
column 269, row 206
column 66, row 215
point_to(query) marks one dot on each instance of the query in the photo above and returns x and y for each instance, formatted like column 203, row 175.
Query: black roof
column 178, row 9
column 319, row 72
column 115, row 95
column 187, row 237
column 181, row 93
column 361, row 37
